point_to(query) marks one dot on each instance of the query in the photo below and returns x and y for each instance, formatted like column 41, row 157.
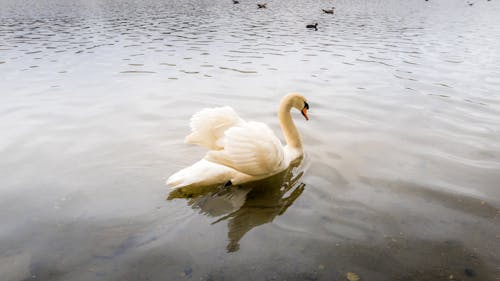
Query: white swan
column 240, row 151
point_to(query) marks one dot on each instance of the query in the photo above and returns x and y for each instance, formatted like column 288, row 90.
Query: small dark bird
column 470, row 4
column 315, row 26
column 236, row 2
column 426, row 0
column 329, row 11
column 262, row 6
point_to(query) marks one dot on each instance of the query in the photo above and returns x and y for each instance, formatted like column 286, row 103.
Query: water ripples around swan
column 400, row 178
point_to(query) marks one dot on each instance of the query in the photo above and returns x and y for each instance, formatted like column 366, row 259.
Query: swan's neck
column 292, row 136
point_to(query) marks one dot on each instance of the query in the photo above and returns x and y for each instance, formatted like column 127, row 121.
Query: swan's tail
column 175, row 180
column 182, row 178
column 200, row 173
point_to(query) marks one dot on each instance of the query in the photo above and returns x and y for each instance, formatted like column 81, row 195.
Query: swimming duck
column 331, row 11
column 315, row 26
column 262, row 6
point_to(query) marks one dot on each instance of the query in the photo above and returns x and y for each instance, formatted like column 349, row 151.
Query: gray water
column 401, row 175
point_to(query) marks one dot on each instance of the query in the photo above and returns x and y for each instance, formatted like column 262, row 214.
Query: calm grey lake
column 401, row 177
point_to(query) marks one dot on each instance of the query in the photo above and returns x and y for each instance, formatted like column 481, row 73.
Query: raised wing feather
column 208, row 126
column 251, row 148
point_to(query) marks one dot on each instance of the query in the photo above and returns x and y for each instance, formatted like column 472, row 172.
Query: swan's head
column 299, row 102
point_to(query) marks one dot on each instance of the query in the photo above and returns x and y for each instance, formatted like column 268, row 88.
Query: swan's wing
column 208, row 126
column 251, row 148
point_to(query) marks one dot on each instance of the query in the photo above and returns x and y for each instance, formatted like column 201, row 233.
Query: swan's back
column 208, row 126
column 251, row 148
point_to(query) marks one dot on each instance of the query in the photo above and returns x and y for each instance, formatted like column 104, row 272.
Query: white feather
column 208, row 126
column 251, row 148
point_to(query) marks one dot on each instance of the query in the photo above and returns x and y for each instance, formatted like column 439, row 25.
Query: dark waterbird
column 331, row 11
column 262, row 6
column 315, row 26
column 236, row 2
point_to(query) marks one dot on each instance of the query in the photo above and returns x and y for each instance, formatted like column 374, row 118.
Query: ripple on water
column 404, row 126
column 189, row 72
column 238, row 70
column 137, row 71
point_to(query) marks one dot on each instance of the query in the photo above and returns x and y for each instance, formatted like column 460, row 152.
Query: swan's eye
column 306, row 105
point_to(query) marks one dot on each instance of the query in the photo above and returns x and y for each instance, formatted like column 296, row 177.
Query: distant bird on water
column 262, row 6
column 329, row 11
column 315, row 26
column 236, row 2
column 470, row 4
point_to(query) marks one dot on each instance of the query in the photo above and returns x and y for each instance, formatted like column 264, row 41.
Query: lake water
column 401, row 178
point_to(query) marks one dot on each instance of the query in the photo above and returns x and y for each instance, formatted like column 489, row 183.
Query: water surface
column 402, row 169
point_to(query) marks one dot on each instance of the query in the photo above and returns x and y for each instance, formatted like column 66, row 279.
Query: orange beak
column 304, row 112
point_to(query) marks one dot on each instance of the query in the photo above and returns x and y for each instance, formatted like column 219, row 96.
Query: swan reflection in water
column 246, row 206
